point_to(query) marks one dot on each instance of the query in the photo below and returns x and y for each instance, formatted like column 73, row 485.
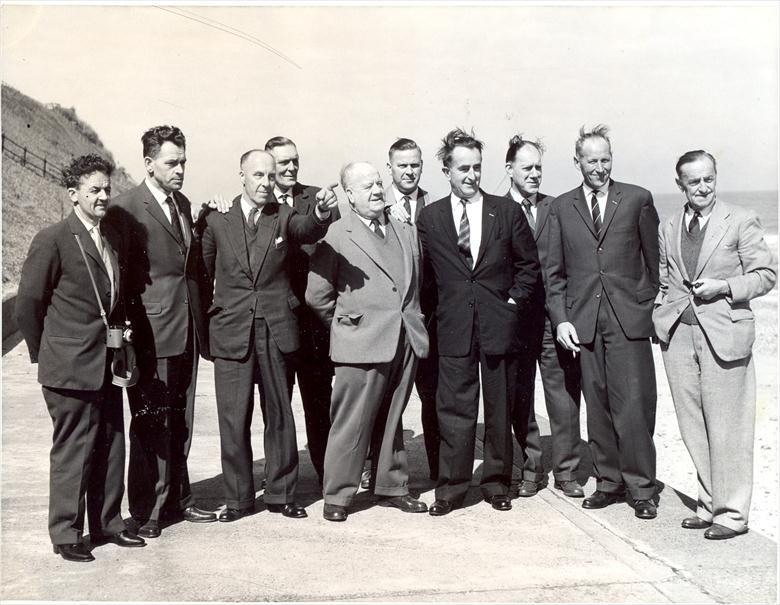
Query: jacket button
column 598, row 295
column 601, row 272
column 601, row 249
column 395, row 289
column 471, row 304
column 186, row 301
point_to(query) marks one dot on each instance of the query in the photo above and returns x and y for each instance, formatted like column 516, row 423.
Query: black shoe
column 570, row 489
column 292, row 510
column 527, row 488
column 695, row 523
column 334, row 512
column 195, row 515
column 150, row 529
column 599, row 499
column 645, row 509
column 406, row 504
column 499, row 502
column 123, row 538
column 720, row 532
column 440, row 508
column 77, row 553
column 365, row 479
column 234, row 514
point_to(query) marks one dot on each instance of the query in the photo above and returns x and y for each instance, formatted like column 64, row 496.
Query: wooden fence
column 32, row 161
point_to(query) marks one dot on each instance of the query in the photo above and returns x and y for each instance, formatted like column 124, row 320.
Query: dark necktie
column 408, row 207
column 175, row 222
column 251, row 221
column 283, row 198
column 464, row 235
column 595, row 212
column 377, row 229
column 529, row 214
column 694, row 228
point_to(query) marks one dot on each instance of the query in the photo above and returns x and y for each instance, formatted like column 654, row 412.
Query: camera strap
column 92, row 279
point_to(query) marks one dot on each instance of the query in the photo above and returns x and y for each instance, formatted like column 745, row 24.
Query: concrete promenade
column 547, row 549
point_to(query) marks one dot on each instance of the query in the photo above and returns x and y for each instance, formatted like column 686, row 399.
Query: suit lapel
column 153, row 208
column 488, row 222
column 614, row 197
column 266, row 231
column 446, row 223
column 422, row 196
column 581, row 206
column 675, row 224
column 716, row 229
column 542, row 212
column 364, row 240
column 403, row 232
column 78, row 229
column 235, row 228
column 110, row 239
column 301, row 199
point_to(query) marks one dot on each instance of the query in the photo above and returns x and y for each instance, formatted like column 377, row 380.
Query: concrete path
column 547, row 549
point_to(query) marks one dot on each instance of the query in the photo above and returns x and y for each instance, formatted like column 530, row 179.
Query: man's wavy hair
column 517, row 142
column 457, row 138
column 600, row 131
column 154, row 138
column 83, row 166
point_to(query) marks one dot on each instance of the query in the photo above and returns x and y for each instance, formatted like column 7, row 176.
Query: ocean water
column 763, row 202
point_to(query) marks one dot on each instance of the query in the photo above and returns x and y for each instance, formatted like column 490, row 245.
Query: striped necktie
column 464, row 235
column 595, row 212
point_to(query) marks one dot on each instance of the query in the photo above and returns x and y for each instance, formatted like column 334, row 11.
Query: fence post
column 44, row 167
column 24, row 156
column 3, row 148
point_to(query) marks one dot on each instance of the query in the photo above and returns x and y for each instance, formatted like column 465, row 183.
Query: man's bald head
column 258, row 175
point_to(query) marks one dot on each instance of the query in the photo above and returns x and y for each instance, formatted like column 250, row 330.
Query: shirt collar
column 518, row 197
column 85, row 221
column 367, row 221
column 278, row 193
column 599, row 192
column 158, row 193
column 247, row 205
column 400, row 196
column 455, row 200
column 689, row 210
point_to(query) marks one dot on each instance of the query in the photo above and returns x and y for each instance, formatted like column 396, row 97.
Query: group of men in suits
column 462, row 295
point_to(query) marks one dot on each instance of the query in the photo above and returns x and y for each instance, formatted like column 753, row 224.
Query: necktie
column 408, row 207
column 377, row 229
column 97, row 237
column 529, row 214
column 284, row 197
column 694, row 228
column 251, row 221
column 464, row 235
column 175, row 223
column 595, row 212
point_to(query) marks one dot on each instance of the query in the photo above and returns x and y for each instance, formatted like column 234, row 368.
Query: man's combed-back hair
column 457, row 138
column 275, row 142
column 154, row 138
column 402, row 144
column 517, row 142
column 83, row 166
column 692, row 156
column 600, row 131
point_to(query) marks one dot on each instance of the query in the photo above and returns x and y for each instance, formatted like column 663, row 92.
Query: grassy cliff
column 30, row 201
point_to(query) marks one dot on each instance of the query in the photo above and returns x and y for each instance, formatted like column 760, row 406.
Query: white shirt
column 703, row 219
column 246, row 206
column 289, row 200
column 399, row 198
column 518, row 197
column 474, row 213
column 367, row 223
column 161, row 196
column 601, row 198
column 100, row 244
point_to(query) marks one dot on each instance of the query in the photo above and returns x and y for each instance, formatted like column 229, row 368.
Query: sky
column 352, row 79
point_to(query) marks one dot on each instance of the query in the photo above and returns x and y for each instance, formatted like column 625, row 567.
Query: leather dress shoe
column 150, row 529
column 292, row 510
column 77, row 553
column 721, row 532
column 124, row 538
column 570, row 489
column 334, row 512
column 500, row 502
column 234, row 514
column 405, row 504
column 527, row 488
column 440, row 508
column 599, row 499
column 695, row 523
column 365, row 479
column 195, row 515
column 645, row 509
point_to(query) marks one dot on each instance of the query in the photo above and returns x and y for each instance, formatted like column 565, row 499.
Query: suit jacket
column 733, row 249
column 304, row 202
column 507, row 266
column 423, row 199
column 243, row 292
column 165, row 279
column 622, row 262
column 356, row 296
column 56, row 308
column 541, row 233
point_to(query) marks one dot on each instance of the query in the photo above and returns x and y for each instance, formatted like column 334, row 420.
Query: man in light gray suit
column 364, row 282
column 714, row 260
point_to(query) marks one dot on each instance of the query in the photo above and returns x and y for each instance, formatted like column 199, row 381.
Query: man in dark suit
column 253, row 329
column 714, row 260
column 364, row 284
column 481, row 260
column 311, row 364
column 165, row 280
column 405, row 199
column 559, row 369
column 59, row 312
column 602, row 277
